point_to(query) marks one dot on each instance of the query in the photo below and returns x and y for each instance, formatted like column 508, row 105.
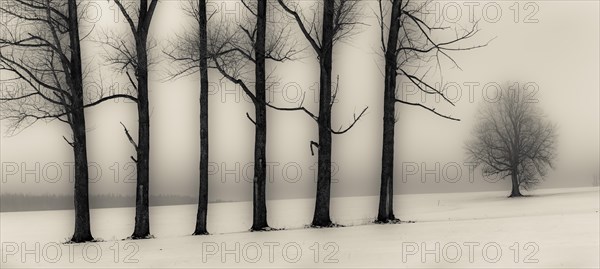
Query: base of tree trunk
column 256, row 228
column 386, row 217
column 388, row 221
column 139, row 237
column 264, row 229
column 321, row 224
column 322, row 220
column 518, row 194
column 325, row 225
column 201, row 232
column 82, row 238
column 393, row 221
column 200, row 228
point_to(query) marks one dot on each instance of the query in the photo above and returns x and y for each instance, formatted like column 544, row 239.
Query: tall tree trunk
column 386, row 195
column 142, row 223
column 82, row 209
column 259, row 221
column 203, row 192
column 321, row 217
column 142, row 215
column 82, row 231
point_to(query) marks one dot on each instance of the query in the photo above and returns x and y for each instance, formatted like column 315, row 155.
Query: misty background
column 552, row 47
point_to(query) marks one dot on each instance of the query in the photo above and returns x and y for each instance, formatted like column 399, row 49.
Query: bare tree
column 190, row 51
column 513, row 138
column 338, row 19
column 259, row 210
column 203, row 192
column 134, row 57
column 40, row 47
column 411, row 41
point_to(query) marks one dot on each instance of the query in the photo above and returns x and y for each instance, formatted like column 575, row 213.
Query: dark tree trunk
column 321, row 217
column 203, row 192
column 516, row 150
column 259, row 221
column 386, row 195
column 142, row 214
column 515, row 192
column 142, row 223
column 514, row 173
column 82, row 209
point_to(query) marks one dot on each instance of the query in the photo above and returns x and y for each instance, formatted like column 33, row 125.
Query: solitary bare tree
column 134, row 57
column 411, row 41
column 40, row 48
column 513, row 138
column 243, row 48
column 337, row 20
column 190, row 51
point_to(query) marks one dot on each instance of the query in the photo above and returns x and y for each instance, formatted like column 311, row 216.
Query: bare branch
column 355, row 120
column 129, row 137
column 68, row 142
column 316, row 46
column 428, row 108
column 250, row 118
column 125, row 14
column 313, row 144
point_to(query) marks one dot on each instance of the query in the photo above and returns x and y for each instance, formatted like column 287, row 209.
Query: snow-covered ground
column 553, row 228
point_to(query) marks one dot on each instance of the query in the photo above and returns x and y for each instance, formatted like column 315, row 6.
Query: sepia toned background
column 551, row 46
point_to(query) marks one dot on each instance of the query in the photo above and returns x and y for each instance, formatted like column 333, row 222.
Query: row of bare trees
column 235, row 50
column 40, row 46
column 41, row 41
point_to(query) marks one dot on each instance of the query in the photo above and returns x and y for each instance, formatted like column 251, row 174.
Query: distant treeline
column 26, row 202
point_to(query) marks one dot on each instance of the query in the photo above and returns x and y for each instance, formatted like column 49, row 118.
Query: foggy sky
column 559, row 53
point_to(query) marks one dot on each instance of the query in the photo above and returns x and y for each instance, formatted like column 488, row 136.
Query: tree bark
column 515, row 192
column 515, row 151
column 386, row 195
column 321, row 216
column 82, row 231
column 259, row 221
column 82, row 209
column 142, row 215
column 203, row 192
